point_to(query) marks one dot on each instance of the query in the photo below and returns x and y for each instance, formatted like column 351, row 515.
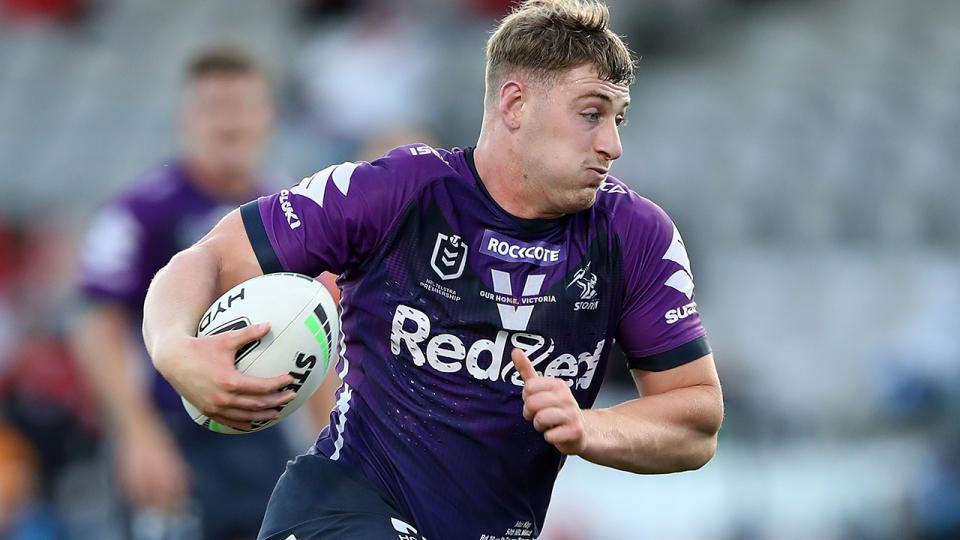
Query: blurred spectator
column 936, row 497
column 42, row 10
column 178, row 479
column 368, row 80
column 17, row 471
column 319, row 9
column 916, row 370
column 46, row 413
column 8, row 267
column 496, row 8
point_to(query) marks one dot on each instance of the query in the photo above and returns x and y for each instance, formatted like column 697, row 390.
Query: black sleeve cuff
column 678, row 356
column 253, row 223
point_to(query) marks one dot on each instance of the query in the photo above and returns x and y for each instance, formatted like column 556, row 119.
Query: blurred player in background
column 482, row 289
column 164, row 462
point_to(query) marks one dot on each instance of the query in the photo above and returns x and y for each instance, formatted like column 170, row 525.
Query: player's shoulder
column 628, row 212
column 404, row 169
column 152, row 194
column 144, row 200
column 416, row 162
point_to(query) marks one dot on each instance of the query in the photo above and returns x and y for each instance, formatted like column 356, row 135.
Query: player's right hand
column 151, row 471
column 550, row 406
column 201, row 369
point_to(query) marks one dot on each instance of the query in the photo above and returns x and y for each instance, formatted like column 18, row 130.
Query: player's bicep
column 700, row 372
column 659, row 325
column 230, row 246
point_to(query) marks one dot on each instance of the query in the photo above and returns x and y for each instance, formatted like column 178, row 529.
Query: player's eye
column 592, row 116
column 621, row 120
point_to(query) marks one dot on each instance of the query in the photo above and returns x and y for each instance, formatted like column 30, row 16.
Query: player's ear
column 512, row 97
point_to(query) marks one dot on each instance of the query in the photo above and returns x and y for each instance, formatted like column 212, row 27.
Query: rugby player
column 481, row 291
column 173, row 474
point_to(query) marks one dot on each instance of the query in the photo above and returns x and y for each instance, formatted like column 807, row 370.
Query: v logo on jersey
column 316, row 186
column 681, row 280
column 515, row 317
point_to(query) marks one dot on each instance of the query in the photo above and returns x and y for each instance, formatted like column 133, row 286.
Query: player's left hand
column 550, row 405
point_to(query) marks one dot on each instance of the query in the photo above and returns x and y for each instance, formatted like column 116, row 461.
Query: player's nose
column 608, row 141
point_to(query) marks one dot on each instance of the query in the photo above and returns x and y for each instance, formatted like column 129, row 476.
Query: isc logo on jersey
column 486, row 359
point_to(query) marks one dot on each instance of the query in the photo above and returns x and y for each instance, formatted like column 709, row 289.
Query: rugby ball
column 302, row 341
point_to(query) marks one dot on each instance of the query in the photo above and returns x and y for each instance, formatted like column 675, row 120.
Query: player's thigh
column 317, row 498
column 349, row 526
column 232, row 478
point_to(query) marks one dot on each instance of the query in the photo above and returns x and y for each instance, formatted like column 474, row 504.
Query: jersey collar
column 530, row 225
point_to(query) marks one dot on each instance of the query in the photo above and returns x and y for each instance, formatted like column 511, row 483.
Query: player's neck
column 503, row 176
column 218, row 184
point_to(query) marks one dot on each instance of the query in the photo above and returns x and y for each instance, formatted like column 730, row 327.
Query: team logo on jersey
column 488, row 358
column 293, row 220
column 515, row 312
column 586, row 286
column 449, row 256
column 586, row 281
column 680, row 313
column 315, row 187
column 681, row 280
column 513, row 250
column 611, row 187
column 405, row 530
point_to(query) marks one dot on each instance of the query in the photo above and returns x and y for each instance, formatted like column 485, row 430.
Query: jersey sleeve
column 112, row 257
column 659, row 327
column 332, row 220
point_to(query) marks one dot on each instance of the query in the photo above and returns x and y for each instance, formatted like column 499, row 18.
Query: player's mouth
column 600, row 172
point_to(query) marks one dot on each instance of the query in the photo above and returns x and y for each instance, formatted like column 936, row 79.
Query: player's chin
column 582, row 200
column 576, row 200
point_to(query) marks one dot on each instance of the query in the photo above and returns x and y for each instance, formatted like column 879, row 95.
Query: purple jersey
column 136, row 234
column 439, row 284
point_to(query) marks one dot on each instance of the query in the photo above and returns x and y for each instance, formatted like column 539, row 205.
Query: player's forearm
column 668, row 432
column 107, row 358
column 179, row 294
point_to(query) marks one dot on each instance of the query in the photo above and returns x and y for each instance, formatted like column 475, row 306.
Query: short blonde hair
column 545, row 37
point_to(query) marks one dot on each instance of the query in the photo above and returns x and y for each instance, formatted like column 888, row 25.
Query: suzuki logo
column 449, row 256
column 681, row 280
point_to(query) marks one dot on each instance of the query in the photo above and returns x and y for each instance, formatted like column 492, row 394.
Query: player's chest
column 462, row 296
column 467, row 276
column 187, row 226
